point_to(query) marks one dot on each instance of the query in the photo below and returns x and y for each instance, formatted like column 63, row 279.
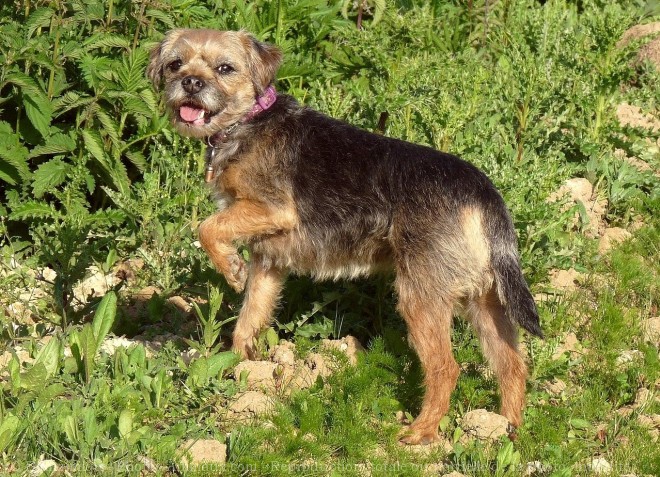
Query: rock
column 628, row 356
column 146, row 293
column 127, row 269
column 189, row 355
column 556, row 386
column 485, row 425
column 434, row 469
column 651, row 423
column 203, row 455
column 565, row 280
column 642, row 397
column 580, row 190
column 348, row 345
column 111, row 343
column 251, row 404
column 96, row 284
column 638, row 31
column 260, row 374
column 283, row 354
column 22, row 355
column 454, row 474
column 428, row 449
column 317, row 363
column 180, row 303
column 44, row 466
column 536, row 468
column 612, row 236
column 599, row 466
column 651, row 330
column 48, row 274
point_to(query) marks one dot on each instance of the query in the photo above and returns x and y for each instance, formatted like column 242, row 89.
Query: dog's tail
column 511, row 286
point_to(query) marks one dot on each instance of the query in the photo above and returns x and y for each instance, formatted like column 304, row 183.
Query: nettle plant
column 80, row 125
column 76, row 116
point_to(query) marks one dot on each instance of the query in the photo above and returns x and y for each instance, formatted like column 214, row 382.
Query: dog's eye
column 225, row 69
column 175, row 65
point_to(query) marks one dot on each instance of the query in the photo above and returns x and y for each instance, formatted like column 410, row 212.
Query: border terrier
column 309, row 194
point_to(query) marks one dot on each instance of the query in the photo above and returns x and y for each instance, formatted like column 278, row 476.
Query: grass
column 527, row 92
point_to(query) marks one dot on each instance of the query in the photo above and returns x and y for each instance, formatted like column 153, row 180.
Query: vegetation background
column 100, row 201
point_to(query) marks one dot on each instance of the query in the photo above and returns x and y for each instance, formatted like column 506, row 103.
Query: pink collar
column 263, row 102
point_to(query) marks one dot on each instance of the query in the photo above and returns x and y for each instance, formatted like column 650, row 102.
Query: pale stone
column 202, row 455
column 485, row 425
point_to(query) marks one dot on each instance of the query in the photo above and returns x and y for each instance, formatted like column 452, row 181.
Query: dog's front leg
column 244, row 220
column 263, row 289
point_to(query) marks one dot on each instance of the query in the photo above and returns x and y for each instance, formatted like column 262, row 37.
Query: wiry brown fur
column 312, row 195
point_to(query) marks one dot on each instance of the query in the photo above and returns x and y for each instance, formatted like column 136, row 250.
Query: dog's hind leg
column 499, row 341
column 429, row 320
column 264, row 285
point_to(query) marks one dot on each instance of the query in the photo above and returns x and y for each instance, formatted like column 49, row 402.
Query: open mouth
column 195, row 115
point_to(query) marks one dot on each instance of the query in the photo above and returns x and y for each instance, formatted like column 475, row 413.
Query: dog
column 309, row 194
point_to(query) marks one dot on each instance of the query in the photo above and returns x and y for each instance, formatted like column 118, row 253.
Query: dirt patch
column 651, row 53
column 284, row 373
column 638, row 31
column 348, row 345
column 580, row 191
column 633, row 116
column 259, row 375
column 250, row 404
column 612, row 236
column 569, row 344
column 283, row 354
column 565, row 280
column 202, row 452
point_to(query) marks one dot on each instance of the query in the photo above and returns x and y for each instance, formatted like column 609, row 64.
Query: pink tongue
column 189, row 114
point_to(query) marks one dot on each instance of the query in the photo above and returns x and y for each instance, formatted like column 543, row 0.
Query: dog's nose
column 192, row 84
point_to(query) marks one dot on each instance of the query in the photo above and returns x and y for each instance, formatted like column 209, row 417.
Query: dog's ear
column 264, row 60
column 155, row 67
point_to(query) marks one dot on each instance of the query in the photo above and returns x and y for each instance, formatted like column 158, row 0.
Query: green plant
column 86, row 343
column 210, row 326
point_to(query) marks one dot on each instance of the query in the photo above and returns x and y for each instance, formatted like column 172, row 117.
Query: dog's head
column 211, row 78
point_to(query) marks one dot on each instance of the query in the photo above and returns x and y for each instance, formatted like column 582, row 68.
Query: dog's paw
column 237, row 275
column 244, row 348
column 413, row 437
